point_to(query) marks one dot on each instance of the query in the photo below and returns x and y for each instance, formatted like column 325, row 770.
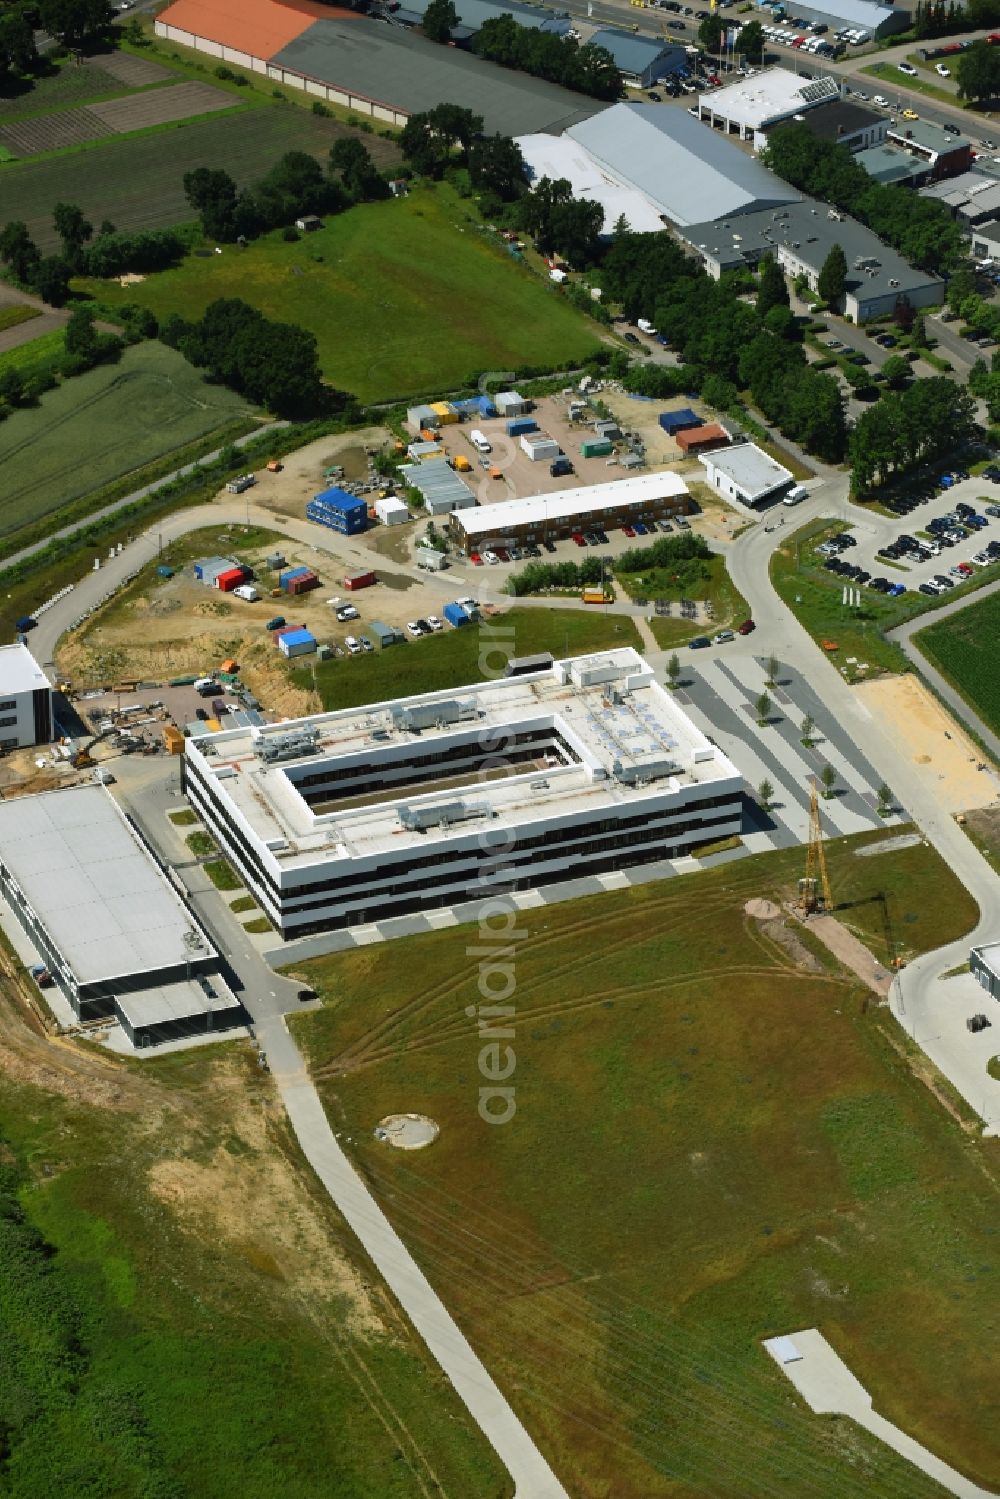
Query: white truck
column 247, row 592
column 480, row 441
column 645, row 326
column 795, row 494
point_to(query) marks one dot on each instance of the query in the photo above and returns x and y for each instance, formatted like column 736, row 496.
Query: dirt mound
column 761, row 909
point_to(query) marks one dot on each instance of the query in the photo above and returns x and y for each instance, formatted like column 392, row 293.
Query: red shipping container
column 359, row 580
column 304, row 583
column 230, row 580
column 276, row 634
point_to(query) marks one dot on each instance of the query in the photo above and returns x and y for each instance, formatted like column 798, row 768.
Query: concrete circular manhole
column 407, row 1131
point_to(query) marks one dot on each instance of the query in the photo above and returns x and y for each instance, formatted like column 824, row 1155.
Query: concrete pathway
column 533, row 1478
column 829, row 1388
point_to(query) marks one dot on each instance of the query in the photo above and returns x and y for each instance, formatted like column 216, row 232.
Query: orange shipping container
column 173, row 740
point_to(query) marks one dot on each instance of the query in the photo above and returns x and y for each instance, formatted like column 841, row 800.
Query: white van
column 247, row 592
column 480, row 442
column 795, row 494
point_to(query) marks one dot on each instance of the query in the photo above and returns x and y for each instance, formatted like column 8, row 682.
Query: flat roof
column 842, row 117
column 890, row 164
column 617, row 754
column 397, row 66
column 95, row 889
column 864, row 13
column 175, row 1002
column 771, row 94
column 749, row 468
column 19, row 671
column 567, row 502
column 926, row 133
column 688, row 170
column 971, row 194
column 560, row 156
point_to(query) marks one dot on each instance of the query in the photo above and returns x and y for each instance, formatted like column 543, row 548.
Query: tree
column 896, row 371
column 497, row 166
column 771, row 671
column 673, row 672
column 886, row 801
column 558, row 221
column 807, row 730
column 17, row 41
column 832, row 280
column 358, row 174
column 73, row 229
column 751, row 41
column 11, row 387
column 763, row 708
column 960, row 286
column 710, row 33
column 212, row 194
column 51, row 280
column 428, row 140
column 440, row 20
column 765, row 795
column 18, row 250
column 73, row 22
column 828, row 779
column 978, row 73
column 81, row 336
column 772, row 290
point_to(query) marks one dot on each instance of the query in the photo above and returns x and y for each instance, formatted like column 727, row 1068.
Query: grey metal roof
column 925, row 133
column 860, row 13
column 751, row 469
column 472, row 13
column 687, row 169
column 889, row 164
column 102, row 899
column 398, row 67
column 634, row 54
column 437, row 480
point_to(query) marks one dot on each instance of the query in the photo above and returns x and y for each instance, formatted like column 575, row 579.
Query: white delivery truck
column 480, row 441
column 247, row 592
column 795, row 494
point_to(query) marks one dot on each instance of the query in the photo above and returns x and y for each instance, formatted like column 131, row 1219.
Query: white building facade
column 350, row 818
column 25, row 700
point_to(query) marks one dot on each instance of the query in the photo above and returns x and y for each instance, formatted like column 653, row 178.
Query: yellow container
column 173, row 740
column 462, row 464
column 445, row 412
column 213, row 725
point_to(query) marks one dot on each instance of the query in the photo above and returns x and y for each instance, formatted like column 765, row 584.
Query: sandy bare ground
column 939, row 749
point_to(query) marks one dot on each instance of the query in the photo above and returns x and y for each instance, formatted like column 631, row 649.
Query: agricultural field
column 91, row 122
column 716, row 1138
column 964, row 648
column 138, row 182
column 404, row 297
column 181, row 1308
column 73, row 82
column 106, row 423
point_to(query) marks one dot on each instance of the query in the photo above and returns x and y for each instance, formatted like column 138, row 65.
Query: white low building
column 744, row 474
column 539, row 517
column 751, row 106
column 391, row 511
column 25, row 700
column 581, row 767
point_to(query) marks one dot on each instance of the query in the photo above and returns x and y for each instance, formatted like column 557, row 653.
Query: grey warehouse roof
column 399, row 67
column 95, row 889
column 856, row 12
column 473, row 13
column 890, row 164
column 633, row 54
column 688, row 170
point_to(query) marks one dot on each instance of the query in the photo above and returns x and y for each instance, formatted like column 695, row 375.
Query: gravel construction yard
column 938, row 747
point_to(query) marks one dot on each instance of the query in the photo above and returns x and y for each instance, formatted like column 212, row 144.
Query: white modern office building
column 115, row 937
column 25, row 700
column 354, row 817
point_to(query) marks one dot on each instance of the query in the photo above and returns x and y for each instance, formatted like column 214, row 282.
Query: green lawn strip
column 184, row 818
column 39, row 353
column 80, row 148
column 887, row 74
column 243, row 903
column 12, row 317
column 705, row 580
column 201, row 844
column 104, row 425
column 151, row 1315
column 963, row 647
column 222, row 874
column 470, row 654
column 258, row 926
column 711, row 1145
column 450, row 301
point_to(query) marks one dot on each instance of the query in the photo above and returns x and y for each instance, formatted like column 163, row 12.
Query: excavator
column 83, row 757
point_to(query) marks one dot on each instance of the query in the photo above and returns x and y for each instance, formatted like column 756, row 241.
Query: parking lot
column 944, row 536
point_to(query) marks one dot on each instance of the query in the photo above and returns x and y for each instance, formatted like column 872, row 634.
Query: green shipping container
column 181, row 681
column 596, row 447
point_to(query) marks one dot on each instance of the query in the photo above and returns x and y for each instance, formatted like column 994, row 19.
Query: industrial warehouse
column 544, row 517
column 110, row 931
column 353, row 817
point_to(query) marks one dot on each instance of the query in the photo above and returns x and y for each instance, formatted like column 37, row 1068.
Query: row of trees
column 273, row 364
column 921, row 229
column 294, row 186
column 724, row 344
column 944, row 18
column 73, row 23
column 977, row 72
column 84, row 346
column 666, row 551
column 111, row 253
column 750, row 42
column 929, row 420
column 587, row 69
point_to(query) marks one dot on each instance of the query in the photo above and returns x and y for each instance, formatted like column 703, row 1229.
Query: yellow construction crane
column 815, row 882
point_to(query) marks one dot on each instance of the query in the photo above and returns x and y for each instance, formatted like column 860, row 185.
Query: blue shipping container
column 455, row 615
column 520, row 424
column 343, row 512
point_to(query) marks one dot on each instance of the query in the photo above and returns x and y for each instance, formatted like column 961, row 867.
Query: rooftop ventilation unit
column 433, row 715
column 649, row 770
column 419, row 819
column 287, row 746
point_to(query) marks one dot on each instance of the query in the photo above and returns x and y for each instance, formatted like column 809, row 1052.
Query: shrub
column 319, row 108
column 290, row 234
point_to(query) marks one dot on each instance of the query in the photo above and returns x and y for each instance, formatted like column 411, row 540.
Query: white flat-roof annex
column 19, row 671
column 562, row 503
column 626, row 738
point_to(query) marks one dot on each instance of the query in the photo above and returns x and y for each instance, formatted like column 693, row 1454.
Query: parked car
column 907, row 68
column 434, row 622
column 699, row 643
column 723, row 636
column 942, row 71
column 413, row 628
column 746, row 628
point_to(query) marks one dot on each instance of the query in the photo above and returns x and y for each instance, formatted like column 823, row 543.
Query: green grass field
column 106, row 423
column 41, row 351
column 465, row 655
column 716, row 1139
column 181, row 1309
column 404, row 297
column 19, row 312
column 964, row 648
